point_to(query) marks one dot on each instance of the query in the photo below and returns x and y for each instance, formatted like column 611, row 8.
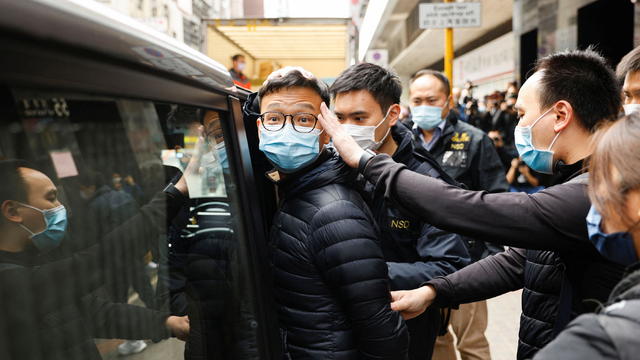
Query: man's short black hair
column 13, row 184
column 236, row 57
column 630, row 63
column 446, row 86
column 582, row 78
column 295, row 79
column 382, row 84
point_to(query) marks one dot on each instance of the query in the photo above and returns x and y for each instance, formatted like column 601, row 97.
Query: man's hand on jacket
column 412, row 303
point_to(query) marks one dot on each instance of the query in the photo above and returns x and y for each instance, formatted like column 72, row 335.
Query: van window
column 127, row 259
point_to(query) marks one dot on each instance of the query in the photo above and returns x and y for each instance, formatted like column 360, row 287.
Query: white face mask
column 365, row 136
column 631, row 108
column 242, row 66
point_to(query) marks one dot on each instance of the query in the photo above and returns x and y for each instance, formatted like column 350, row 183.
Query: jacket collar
column 327, row 169
column 404, row 139
column 565, row 172
column 449, row 127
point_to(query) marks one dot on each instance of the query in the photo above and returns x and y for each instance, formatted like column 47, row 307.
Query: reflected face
column 428, row 90
column 361, row 108
column 41, row 194
column 294, row 100
column 213, row 127
column 528, row 108
column 631, row 88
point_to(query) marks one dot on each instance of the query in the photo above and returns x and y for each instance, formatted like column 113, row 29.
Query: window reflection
column 128, row 260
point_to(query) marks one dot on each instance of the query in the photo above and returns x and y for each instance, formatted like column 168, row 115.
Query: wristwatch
column 367, row 155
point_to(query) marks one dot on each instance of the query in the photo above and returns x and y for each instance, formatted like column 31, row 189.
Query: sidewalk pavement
column 504, row 323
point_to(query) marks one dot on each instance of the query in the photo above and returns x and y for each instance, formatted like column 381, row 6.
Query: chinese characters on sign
column 449, row 15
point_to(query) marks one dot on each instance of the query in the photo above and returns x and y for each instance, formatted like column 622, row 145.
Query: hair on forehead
column 295, row 79
column 630, row 63
column 383, row 85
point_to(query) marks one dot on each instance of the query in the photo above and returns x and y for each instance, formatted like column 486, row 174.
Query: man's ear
column 394, row 114
column 324, row 138
column 9, row 210
column 564, row 114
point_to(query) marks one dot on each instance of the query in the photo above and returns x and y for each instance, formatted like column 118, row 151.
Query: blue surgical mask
column 222, row 155
column 426, row 117
column 289, row 150
column 56, row 225
column 539, row 160
column 617, row 247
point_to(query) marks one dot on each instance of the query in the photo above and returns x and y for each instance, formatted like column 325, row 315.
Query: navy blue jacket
column 330, row 278
column 468, row 155
column 415, row 251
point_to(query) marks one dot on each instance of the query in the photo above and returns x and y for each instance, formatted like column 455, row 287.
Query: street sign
column 449, row 15
column 379, row 57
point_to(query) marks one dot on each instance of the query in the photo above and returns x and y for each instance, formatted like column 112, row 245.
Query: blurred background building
column 325, row 36
column 276, row 33
column 512, row 35
column 269, row 33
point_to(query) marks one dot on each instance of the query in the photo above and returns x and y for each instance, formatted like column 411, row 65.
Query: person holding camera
column 522, row 179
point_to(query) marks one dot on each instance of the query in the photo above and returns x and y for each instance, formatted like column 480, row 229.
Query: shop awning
column 270, row 39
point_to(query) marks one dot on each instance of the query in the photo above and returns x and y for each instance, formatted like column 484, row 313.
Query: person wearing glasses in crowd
column 330, row 278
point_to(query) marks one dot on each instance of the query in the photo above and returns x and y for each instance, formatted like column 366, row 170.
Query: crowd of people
column 572, row 247
column 394, row 226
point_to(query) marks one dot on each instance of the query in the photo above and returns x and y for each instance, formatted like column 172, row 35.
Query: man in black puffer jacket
column 330, row 278
column 366, row 100
column 49, row 303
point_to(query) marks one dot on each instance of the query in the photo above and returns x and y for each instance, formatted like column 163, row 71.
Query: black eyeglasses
column 275, row 121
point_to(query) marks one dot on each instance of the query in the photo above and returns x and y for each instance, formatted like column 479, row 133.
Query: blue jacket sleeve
column 441, row 253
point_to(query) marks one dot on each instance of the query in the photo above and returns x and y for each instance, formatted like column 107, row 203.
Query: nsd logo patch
column 399, row 224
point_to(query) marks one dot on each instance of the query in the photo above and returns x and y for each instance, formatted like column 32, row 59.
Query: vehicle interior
column 114, row 124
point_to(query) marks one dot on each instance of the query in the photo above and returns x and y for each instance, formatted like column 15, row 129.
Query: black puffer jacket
column 612, row 334
column 330, row 277
column 205, row 284
column 468, row 155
